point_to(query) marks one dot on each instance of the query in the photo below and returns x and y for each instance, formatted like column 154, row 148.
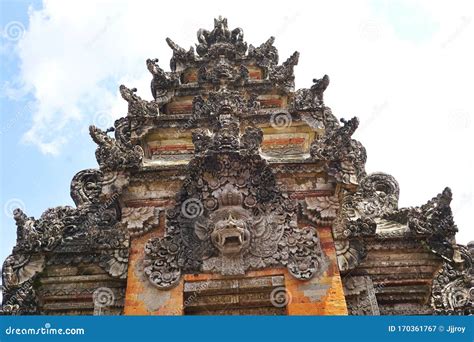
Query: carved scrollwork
column 320, row 210
column 45, row 233
column 345, row 157
column 452, row 291
column 231, row 217
column 138, row 221
column 377, row 195
column 115, row 261
column 221, row 40
column 92, row 227
column 112, row 154
column 266, row 55
column 282, row 76
column 432, row 222
column 310, row 99
column 349, row 253
column 219, row 102
column 221, row 72
column 137, row 107
column 360, row 296
column 20, row 300
column 86, row 186
column 181, row 58
column 162, row 86
column 251, row 140
column 19, row 268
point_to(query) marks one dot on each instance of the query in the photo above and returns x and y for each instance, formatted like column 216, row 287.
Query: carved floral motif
column 231, row 217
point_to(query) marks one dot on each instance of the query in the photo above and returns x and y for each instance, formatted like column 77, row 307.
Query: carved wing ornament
column 373, row 211
column 90, row 231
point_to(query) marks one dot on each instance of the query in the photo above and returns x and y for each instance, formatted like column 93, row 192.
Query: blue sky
column 404, row 67
column 30, row 179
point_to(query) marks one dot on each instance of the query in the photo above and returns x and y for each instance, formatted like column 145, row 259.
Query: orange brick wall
column 318, row 296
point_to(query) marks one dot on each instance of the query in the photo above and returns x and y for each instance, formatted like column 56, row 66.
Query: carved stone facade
column 230, row 176
column 230, row 216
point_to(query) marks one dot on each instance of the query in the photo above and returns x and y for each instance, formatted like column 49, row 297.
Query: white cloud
column 412, row 95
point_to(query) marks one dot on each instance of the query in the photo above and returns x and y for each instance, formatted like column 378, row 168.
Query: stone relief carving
column 345, row 156
column 116, row 154
column 162, row 87
column 140, row 220
column 19, row 300
column 452, row 291
column 221, row 40
column 377, row 195
column 266, row 55
column 230, row 216
column 320, row 210
column 181, row 58
column 374, row 207
column 360, row 296
column 92, row 226
column 282, row 76
column 137, row 107
column 432, row 221
column 310, row 99
column 221, row 73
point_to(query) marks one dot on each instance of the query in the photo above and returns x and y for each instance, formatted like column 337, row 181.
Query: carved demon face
column 231, row 236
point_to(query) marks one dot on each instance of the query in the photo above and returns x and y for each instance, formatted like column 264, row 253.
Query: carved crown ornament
column 230, row 214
